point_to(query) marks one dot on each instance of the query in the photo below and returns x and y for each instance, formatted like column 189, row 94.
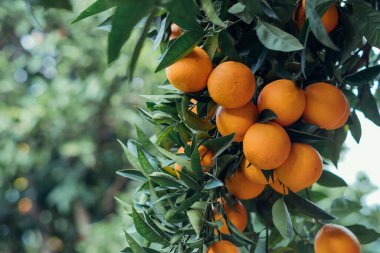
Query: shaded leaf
column 369, row 22
column 189, row 181
column 211, row 13
column 267, row 115
column 164, row 179
column 218, row 145
column 281, row 218
column 342, row 207
column 364, row 234
column 95, row 8
column 135, row 247
column 367, row 104
column 363, row 77
column 212, row 184
column 196, row 166
column 355, row 127
column 183, row 13
column 330, row 179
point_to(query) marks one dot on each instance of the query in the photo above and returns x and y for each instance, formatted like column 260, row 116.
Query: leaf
column 148, row 230
column 367, row 104
column 145, row 142
column 218, row 145
column 185, row 205
column 276, row 39
column 165, row 134
column 136, row 248
column 212, row 184
column 317, row 27
column 95, row 8
column 211, row 13
column 191, row 119
column 369, row 22
column 364, row 76
column 196, row 216
column 132, row 174
column 189, row 181
column 182, row 162
column 355, row 127
column 267, row 115
column 122, row 27
column 303, row 136
column 364, row 234
column 180, row 48
column 253, row 7
column 133, row 160
column 330, row 179
column 307, row 207
column 129, row 250
column 196, row 166
column 183, row 13
column 164, row 179
column 227, row 45
column 281, row 218
column 211, row 45
column 159, row 207
column 342, row 207
column 160, row 34
column 63, row 4
column 147, row 168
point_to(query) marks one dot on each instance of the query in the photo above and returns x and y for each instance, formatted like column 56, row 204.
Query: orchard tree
column 259, row 95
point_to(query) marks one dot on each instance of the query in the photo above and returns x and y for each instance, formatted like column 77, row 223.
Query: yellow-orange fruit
column 253, row 173
column 279, row 187
column 231, row 84
column 285, row 99
column 223, row 246
column 325, row 106
column 343, row 119
column 329, row 19
column 266, row 145
column 240, row 186
column 333, row 238
column 236, row 120
column 236, row 215
column 190, row 73
column 206, row 157
column 302, row 168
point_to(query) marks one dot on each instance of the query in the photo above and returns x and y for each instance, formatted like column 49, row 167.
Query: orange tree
column 259, row 94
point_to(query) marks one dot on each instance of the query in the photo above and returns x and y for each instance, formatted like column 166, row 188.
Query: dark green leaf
column 303, row 136
column 191, row 119
column 180, row 48
column 212, row 184
column 132, row 174
column 253, row 7
column 367, row 104
column 276, row 39
column 267, row 115
column 159, row 207
column 369, row 22
column 307, row 207
column 147, row 168
column 133, row 160
column 165, row 134
column 182, row 162
column 281, row 218
column 342, row 207
column 211, row 45
column 95, row 8
column 364, row 234
column 196, row 166
column 183, row 13
column 363, row 77
column 122, row 27
column 188, row 180
column 330, row 179
column 355, row 127
column 227, row 45
column 160, row 34
column 135, row 247
column 211, row 13
column 62, row 4
column 218, row 145
column 146, row 143
column 164, row 179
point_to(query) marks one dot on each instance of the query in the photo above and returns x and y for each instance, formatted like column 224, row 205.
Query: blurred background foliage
column 61, row 110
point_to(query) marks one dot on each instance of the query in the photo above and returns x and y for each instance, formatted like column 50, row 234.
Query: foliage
column 174, row 212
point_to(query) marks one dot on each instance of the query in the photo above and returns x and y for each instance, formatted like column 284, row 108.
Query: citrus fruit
column 236, row 120
column 236, row 215
column 240, row 186
column 285, row 99
column 206, row 157
column 333, row 238
column 266, row 145
column 326, row 106
column 279, row 187
column 231, row 84
column 223, row 246
column 190, row 73
column 253, row 173
column 329, row 19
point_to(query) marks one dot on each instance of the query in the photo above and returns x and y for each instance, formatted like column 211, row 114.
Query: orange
column 175, row 31
column 343, row 119
column 206, row 157
column 231, row 84
column 285, row 99
column 279, row 187
column 253, row 173
column 333, row 238
column 302, row 168
column 223, row 246
column 240, row 186
column 329, row 19
column 326, row 106
column 266, row 145
column 236, row 215
column 190, row 73
column 236, row 120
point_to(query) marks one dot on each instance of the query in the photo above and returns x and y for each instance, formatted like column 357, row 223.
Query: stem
column 266, row 240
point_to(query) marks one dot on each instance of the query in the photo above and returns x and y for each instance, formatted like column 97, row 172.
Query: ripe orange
column 333, row 238
column 253, row 173
column 302, row 168
column 236, row 120
column 175, row 31
column 190, row 73
column 205, row 154
column 285, row 99
column 266, row 145
column 240, row 186
column 329, row 19
column 236, row 215
column 326, row 106
column 231, row 84
column 279, row 187
column 223, row 246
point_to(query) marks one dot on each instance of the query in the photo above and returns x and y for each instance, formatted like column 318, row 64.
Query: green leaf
column 164, row 179
column 218, row 145
column 276, row 39
column 253, row 7
column 95, row 8
column 355, row 127
column 303, row 136
column 211, row 13
column 136, row 248
column 191, row 119
column 364, row 76
column 213, row 183
column 317, row 27
column 122, row 27
column 281, row 218
column 159, row 207
column 63, row 4
column 227, row 45
column 147, row 168
column 129, row 250
column 267, row 115
column 183, row 13
column 196, row 215
column 132, row 174
column 196, row 166
column 330, row 179
column 133, row 160
column 307, row 207
column 182, row 162
column 160, row 34
column 368, row 105
column 211, row 45
column 146, row 143
column 185, row 205
column 364, row 234
column 180, row 48
column 148, row 230
column 188, row 180
column 165, row 134
column 342, row 207
column 369, row 22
